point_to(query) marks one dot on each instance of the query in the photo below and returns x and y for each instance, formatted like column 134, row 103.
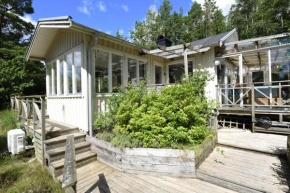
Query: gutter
column 95, row 41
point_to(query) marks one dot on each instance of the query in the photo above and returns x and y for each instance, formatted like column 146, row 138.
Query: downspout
column 90, row 81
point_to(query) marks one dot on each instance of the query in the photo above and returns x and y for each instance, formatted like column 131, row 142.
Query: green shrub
column 174, row 117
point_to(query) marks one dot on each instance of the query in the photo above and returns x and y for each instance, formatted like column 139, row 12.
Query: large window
column 101, row 71
column 158, row 74
column 117, row 64
column 78, row 70
column 64, row 74
column 69, row 61
column 176, row 71
column 137, row 71
column 54, row 79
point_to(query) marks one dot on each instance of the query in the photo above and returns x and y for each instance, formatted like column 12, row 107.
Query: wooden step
column 59, row 153
column 54, row 131
column 61, row 140
column 56, row 167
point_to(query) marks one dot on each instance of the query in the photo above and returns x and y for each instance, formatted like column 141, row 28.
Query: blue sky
column 108, row 15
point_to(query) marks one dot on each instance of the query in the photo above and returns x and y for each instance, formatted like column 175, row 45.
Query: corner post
column 241, row 79
column 270, row 78
column 43, row 135
column 185, row 63
column 253, row 107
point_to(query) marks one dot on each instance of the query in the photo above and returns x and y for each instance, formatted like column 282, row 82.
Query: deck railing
column 275, row 94
column 31, row 114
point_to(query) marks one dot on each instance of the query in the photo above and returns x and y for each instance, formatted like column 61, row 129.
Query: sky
column 108, row 15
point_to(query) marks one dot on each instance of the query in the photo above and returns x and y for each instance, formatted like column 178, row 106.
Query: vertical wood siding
column 69, row 109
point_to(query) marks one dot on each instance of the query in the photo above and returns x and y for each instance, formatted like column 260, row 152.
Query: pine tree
column 121, row 36
column 17, row 75
column 194, row 23
column 218, row 22
column 209, row 7
column 164, row 12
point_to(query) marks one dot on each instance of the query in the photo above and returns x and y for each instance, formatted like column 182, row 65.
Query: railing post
column 234, row 100
column 280, row 94
column 33, row 115
column 27, row 113
column 43, row 135
column 253, row 107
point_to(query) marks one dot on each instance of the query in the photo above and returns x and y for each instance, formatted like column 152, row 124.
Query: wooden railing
column 261, row 94
column 31, row 114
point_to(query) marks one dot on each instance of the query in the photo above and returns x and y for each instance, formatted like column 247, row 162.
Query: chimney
column 163, row 41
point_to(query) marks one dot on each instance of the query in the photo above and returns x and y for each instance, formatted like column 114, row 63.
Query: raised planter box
column 167, row 162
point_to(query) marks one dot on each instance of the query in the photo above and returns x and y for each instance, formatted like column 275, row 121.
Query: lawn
column 17, row 174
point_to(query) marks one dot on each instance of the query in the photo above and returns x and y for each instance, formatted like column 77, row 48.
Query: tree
column 165, row 15
column 209, row 10
column 219, row 24
column 194, row 23
column 178, row 28
column 17, row 75
column 119, row 35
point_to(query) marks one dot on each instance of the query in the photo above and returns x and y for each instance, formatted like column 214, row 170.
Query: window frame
column 124, row 71
column 65, row 90
column 162, row 72
column 192, row 59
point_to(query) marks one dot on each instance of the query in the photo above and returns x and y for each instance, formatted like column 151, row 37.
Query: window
column 158, row 74
column 49, row 79
column 117, row 64
column 69, row 73
column 176, row 71
column 78, row 70
column 64, row 74
column 101, row 72
column 142, row 70
column 132, row 68
column 61, row 69
column 54, row 78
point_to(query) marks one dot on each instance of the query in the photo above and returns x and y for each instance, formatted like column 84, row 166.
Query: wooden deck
column 245, row 139
column 246, row 171
column 98, row 177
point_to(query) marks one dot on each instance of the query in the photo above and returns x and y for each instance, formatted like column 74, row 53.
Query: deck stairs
column 55, row 144
column 245, row 165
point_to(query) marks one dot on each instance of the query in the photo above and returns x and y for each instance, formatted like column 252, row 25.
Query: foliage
column 176, row 115
column 252, row 18
column 16, row 174
column 16, row 74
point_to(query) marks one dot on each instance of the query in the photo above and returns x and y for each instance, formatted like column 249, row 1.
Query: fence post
column 253, row 107
column 43, row 135
column 280, row 94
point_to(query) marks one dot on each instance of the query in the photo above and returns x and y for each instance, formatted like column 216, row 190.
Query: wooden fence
column 31, row 114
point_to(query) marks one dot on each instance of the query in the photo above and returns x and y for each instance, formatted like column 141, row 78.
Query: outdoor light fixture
column 217, row 62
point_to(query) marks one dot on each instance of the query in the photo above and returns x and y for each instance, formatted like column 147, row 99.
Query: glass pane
column 132, row 68
column 61, row 77
column 78, row 70
column 50, row 78
column 54, row 79
column 158, row 75
column 142, row 71
column 117, row 63
column 101, row 72
column 177, row 70
column 280, row 71
column 69, row 72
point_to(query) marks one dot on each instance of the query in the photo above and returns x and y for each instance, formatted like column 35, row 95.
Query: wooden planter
column 167, row 162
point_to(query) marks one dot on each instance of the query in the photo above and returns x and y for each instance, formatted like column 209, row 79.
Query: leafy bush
column 177, row 115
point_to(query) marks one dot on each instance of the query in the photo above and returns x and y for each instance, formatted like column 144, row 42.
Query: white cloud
column 125, row 7
column 101, row 5
column 86, row 7
column 224, row 5
column 121, row 32
column 28, row 18
column 108, row 32
column 153, row 8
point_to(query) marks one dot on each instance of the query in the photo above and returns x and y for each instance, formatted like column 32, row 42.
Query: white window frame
column 192, row 59
column 138, row 61
column 124, row 67
column 65, row 81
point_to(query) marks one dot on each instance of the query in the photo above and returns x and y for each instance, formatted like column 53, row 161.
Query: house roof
column 47, row 29
column 202, row 45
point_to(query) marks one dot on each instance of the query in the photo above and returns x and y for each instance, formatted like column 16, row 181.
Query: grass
column 16, row 173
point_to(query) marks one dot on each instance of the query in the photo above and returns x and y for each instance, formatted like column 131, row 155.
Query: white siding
column 70, row 109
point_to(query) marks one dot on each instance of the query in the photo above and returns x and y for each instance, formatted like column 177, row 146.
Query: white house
column 85, row 65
